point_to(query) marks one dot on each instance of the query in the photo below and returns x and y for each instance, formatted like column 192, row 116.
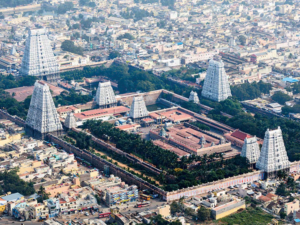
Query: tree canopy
column 281, row 97
column 69, row 46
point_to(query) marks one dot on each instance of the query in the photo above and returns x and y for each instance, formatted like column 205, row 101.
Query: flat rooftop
column 98, row 113
column 174, row 115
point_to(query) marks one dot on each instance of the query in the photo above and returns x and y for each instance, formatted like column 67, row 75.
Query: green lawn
column 249, row 216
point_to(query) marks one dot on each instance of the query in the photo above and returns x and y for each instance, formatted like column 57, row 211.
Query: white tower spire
column 38, row 59
column 70, row 121
column 194, row 97
column 138, row 108
column 273, row 156
column 105, row 96
column 216, row 86
column 250, row 149
column 42, row 115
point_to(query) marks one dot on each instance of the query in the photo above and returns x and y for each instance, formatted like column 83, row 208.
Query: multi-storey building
column 120, row 194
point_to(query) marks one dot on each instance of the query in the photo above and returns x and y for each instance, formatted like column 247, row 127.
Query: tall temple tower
column 250, row 149
column 105, row 96
column 70, row 121
column 42, row 117
column 138, row 108
column 194, row 97
column 216, row 86
column 38, row 59
column 273, row 156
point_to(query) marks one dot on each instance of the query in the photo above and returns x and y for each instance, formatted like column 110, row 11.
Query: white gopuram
column 105, row 96
column 138, row 108
column 216, row 86
column 42, row 117
column 70, row 121
column 251, row 150
column 38, row 59
column 194, row 97
column 273, row 156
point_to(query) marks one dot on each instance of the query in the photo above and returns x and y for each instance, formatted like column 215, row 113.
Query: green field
column 249, row 216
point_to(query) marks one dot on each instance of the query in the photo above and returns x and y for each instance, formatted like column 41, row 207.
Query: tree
column 277, row 8
column 242, row 39
column 63, row 8
column 203, row 214
column 114, row 54
column 248, row 17
column 69, row 46
column 282, row 190
column 43, row 194
column 291, row 56
column 175, row 207
column 282, row 214
column 281, row 97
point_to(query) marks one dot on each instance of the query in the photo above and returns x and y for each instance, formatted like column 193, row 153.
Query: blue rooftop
column 289, row 79
column 297, row 220
column 179, row 43
column 13, row 197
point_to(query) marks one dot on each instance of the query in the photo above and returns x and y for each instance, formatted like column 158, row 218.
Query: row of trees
column 71, row 98
column 132, row 79
column 166, row 160
column 248, row 91
column 132, row 143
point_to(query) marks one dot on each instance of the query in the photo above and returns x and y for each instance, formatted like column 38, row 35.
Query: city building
column 226, row 209
column 273, row 155
column 105, row 96
column 251, row 150
column 120, row 194
column 138, row 108
column 38, row 59
column 216, row 86
column 42, row 117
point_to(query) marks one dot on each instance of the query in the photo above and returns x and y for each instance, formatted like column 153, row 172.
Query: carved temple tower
column 42, row 117
column 105, row 96
column 38, row 59
column 251, row 150
column 138, row 108
column 216, row 86
column 273, row 156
